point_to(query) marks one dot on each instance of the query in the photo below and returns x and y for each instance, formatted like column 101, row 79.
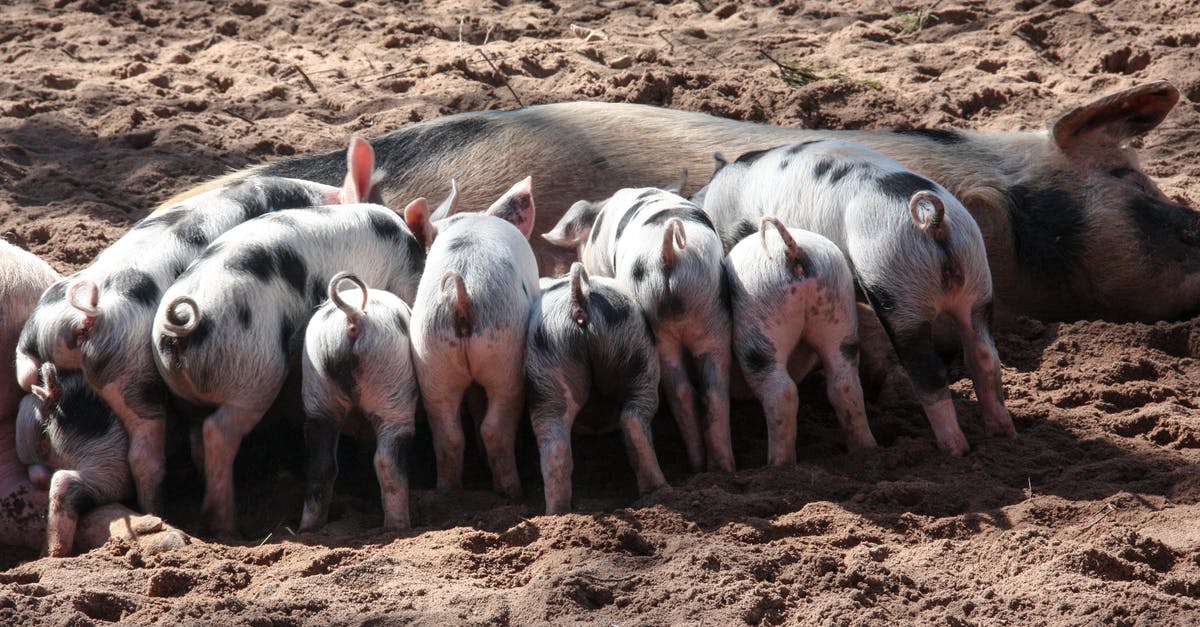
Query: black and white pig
column 227, row 331
column 357, row 367
column 666, row 252
column 916, row 253
column 469, row 325
column 75, row 447
column 589, row 342
column 99, row 318
column 792, row 297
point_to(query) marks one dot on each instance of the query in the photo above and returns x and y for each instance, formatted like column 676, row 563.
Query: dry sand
column 1089, row 517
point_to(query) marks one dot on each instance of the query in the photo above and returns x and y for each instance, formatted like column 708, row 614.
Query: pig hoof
column 861, row 442
column 955, row 446
column 1000, row 429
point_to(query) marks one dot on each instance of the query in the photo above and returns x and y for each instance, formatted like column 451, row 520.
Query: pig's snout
column 931, row 222
column 462, row 305
column 177, row 325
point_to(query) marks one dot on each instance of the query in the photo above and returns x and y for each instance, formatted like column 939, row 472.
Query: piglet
column 793, row 303
column 75, row 447
column 99, row 318
column 357, row 366
column 226, row 333
column 917, row 255
column 469, row 324
column 665, row 251
column 589, row 343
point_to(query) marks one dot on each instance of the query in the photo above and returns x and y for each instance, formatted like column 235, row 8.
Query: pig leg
column 636, row 415
column 499, row 434
column 845, row 394
column 146, row 424
column 983, row 363
column 320, row 443
column 552, row 428
column 223, row 433
column 68, row 494
column 680, row 398
column 928, row 374
column 712, row 361
column 392, row 447
column 442, row 404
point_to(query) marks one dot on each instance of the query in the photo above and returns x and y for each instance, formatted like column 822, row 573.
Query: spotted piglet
column 665, row 251
column 469, row 325
column 75, row 447
column 226, row 333
column 357, row 368
column 793, row 304
column 917, row 255
column 99, row 318
column 589, row 344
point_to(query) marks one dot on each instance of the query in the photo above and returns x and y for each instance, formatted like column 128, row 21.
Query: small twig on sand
column 238, row 116
column 697, row 49
column 1101, row 515
column 398, row 72
column 670, row 45
column 307, row 80
column 1029, row 490
column 588, row 34
column 289, row 530
column 264, row 540
column 501, row 74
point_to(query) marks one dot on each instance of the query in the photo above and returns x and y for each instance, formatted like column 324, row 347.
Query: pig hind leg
column 141, row 406
column 552, row 409
column 925, row 368
column 979, row 353
column 712, row 383
column 636, row 413
column 443, row 400
column 505, row 404
column 844, row 390
column 765, row 368
column 69, row 494
column 320, row 443
column 223, row 433
column 393, row 445
column 677, row 387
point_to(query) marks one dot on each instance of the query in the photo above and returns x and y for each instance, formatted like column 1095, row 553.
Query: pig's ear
column 361, row 178
column 516, row 206
column 416, row 215
column 676, row 186
column 449, row 206
column 575, row 226
column 1116, row 117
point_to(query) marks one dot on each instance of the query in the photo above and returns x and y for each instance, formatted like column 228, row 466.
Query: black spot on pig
column 613, row 312
column 257, row 195
column 941, row 136
column 386, row 227
column 744, row 229
column 341, row 368
column 316, row 289
column 687, row 214
column 243, row 314
column 148, row 394
column 823, row 166
column 842, row 171
column 199, row 335
column 749, row 158
column 1047, row 229
column 849, row 350
column 403, row 448
column 921, row 361
column 291, row 267
column 900, row 186
column 796, row 149
column 671, row 306
column 462, row 242
column 401, row 321
column 135, row 285
column 758, row 354
column 638, row 271
column 80, row 410
column 191, row 232
column 1166, row 233
column 627, row 216
column 596, row 227
column 255, row 260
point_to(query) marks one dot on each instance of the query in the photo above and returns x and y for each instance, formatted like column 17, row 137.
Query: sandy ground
column 1089, row 517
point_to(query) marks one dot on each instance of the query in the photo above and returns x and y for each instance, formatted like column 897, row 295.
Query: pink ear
column 360, row 168
column 416, row 215
column 516, row 206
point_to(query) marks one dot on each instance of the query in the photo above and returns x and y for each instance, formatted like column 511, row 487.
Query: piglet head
column 575, row 226
column 516, row 206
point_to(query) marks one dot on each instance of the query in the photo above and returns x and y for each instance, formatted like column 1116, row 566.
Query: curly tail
column 353, row 314
column 796, row 258
column 49, row 392
column 674, row 240
column 934, row 224
column 462, row 306
column 87, row 290
column 580, row 289
column 176, row 326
